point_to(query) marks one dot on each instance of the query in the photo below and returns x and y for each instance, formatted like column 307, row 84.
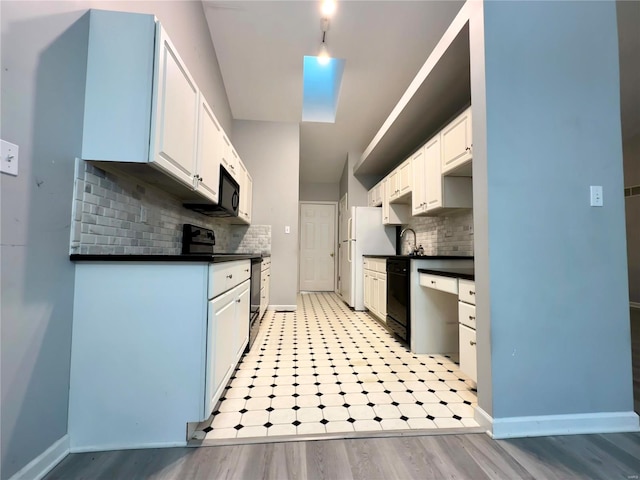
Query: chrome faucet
column 415, row 246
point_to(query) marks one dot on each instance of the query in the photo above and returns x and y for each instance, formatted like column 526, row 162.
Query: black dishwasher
column 398, row 311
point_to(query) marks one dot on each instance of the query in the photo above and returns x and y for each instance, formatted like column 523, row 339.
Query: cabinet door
column 248, row 197
column 468, row 359
column 382, row 295
column 220, row 346
column 228, row 158
column 377, row 195
column 209, row 152
column 456, row 142
column 174, row 123
column 243, row 301
column 405, row 179
column 385, row 201
column 371, row 197
column 393, row 185
column 367, row 290
column 418, row 200
column 433, row 175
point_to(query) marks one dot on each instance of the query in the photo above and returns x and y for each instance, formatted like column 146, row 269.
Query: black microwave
column 228, row 198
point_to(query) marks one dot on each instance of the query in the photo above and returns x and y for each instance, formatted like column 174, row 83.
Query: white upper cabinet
column 246, row 186
column 175, row 116
column 433, row 175
column 375, row 195
column 457, row 144
column 142, row 106
column 418, row 195
column 230, row 160
column 209, row 152
column 400, row 181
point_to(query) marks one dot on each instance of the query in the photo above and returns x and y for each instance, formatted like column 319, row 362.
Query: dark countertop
column 424, row 257
column 466, row 273
column 195, row 258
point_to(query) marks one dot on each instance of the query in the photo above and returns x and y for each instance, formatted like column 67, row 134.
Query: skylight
column 321, row 89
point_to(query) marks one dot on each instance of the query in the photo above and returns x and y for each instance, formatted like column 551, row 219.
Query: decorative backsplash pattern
column 118, row 214
column 443, row 235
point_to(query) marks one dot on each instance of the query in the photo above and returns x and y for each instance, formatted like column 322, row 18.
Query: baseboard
column 125, row 446
column 484, row 420
column 573, row 424
column 44, row 463
column 634, row 305
column 283, row 308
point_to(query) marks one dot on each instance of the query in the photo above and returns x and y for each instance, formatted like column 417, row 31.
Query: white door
column 317, row 247
column 342, row 245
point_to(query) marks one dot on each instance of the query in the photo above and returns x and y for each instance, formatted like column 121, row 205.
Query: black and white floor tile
column 328, row 369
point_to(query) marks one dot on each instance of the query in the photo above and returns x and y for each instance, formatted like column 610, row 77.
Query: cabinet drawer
column 367, row 264
column 380, row 265
column 226, row 275
column 446, row 284
column 468, row 359
column 266, row 263
column 467, row 314
column 467, row 291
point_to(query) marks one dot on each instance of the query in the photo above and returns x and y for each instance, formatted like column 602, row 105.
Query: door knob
column 331, row 254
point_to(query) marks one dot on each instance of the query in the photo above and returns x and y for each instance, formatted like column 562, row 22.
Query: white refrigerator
column 361, row 233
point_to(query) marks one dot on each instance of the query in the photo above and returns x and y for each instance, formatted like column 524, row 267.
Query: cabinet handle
column 471, row 292
column 229, row 276
column 471, row 342
column 238, row 301
column 433, row 282
column 233, row 167
column 471, row 318
column 246, row 269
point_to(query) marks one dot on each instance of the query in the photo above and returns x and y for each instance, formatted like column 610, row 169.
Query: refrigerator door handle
column 349, row 254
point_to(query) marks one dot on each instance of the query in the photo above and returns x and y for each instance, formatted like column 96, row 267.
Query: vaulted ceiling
column 260, row 47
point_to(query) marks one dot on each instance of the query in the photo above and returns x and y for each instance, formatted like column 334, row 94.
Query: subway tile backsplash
column 118, row 214
column 442, row 235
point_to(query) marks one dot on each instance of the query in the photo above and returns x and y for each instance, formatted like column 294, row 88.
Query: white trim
column 45, row 462
column 634, row 305
column 572, row 424
column 283, row 308
column 125, row 446
column 483, row 419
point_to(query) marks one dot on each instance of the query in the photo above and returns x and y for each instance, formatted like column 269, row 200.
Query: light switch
column 9, row 158
column 596, row 196
column 287, row 229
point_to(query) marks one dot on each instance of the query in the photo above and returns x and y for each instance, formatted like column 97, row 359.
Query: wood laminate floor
column 469, row 456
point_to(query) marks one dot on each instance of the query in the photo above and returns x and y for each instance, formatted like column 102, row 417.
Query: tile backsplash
column 118, row 214
column 442, row 235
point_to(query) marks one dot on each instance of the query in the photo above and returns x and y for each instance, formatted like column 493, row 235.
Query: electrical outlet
column 596, row 196
column 9, row 158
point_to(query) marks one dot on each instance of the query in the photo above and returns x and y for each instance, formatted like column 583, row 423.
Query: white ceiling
column 260, row 46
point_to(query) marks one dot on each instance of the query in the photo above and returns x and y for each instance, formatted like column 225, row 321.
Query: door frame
column 335, row 237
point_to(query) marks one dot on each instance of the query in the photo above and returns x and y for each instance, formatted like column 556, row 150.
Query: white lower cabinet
column 265, row 285
column 375, row 286
column 467, row 321
column 468, row 358
column 145, row 365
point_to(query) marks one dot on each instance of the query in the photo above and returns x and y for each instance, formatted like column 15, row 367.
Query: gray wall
column 42, row 73
column 557, row 273
column 271, row 152
column 356, row 188
column 631, row 150
column 319, row 192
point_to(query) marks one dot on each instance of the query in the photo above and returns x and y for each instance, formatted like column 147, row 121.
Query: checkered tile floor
column 328, row 369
